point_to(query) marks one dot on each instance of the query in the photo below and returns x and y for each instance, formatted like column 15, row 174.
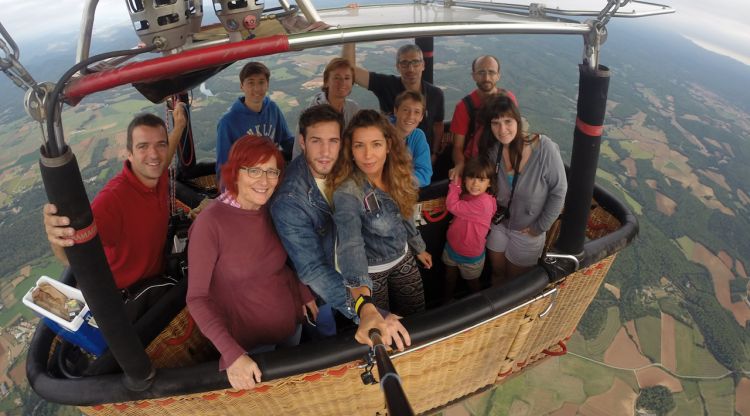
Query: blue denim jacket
column 369, row 237
column 304, row 222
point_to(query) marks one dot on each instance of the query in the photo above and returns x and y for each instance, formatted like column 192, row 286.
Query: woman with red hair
column 241, row 293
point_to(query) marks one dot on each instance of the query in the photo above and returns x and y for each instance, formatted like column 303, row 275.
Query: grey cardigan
column 540, row 189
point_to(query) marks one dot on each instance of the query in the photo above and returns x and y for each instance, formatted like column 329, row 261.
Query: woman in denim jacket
column 374, row 192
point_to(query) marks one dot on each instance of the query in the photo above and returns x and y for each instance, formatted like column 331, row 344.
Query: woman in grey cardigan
column 531, row 189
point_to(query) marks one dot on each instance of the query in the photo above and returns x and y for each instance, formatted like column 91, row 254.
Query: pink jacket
column 472, row 215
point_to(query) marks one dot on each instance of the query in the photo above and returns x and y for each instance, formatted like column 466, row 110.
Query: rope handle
column 429, row 218
column 190, row 325
column 563, row 350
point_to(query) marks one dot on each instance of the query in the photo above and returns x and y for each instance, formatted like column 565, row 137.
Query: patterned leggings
column 399, row 288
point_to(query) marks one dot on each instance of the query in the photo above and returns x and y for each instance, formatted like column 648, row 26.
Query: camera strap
column 498, row 162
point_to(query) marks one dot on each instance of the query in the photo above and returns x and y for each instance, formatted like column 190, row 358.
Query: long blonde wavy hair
column 398, row 173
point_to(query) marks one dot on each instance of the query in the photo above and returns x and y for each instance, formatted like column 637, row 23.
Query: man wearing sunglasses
column 410, row 66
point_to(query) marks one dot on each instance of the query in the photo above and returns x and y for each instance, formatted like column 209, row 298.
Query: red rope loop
column 429, row 218
column 563, row 350
column 184, row 337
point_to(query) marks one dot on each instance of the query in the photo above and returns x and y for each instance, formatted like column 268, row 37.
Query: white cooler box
column 81, row 330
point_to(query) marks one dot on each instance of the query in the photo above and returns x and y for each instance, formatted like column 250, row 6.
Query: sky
column 716, row 25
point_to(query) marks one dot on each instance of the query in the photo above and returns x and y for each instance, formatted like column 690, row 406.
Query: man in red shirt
column 131, row 212
column 485, row 70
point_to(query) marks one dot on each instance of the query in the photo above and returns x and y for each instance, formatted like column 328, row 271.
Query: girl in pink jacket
column 472, row 202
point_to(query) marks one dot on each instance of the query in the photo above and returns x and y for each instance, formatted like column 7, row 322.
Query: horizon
column 726, row 33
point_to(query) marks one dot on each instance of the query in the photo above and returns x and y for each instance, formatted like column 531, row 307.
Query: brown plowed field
column 726, row 259
column 4, row 360
column 623, row 352
column 567, row 409
column 618, row 400
column 742, row 397
column 630, row 168
column 664, row 204
column 721, row 275
column 614, row 289
column 740, row 268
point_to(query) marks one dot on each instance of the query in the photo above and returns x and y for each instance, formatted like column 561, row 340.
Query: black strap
column 472, row 111
column 513, row 186
column 472, row 120
column 516, row 174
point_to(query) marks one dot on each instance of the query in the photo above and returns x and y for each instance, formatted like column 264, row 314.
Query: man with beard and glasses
column 410, row 66
column 465, row 126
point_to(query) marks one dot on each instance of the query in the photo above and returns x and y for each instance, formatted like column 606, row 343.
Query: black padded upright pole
column 64, row 187
column 587, row 138
column 427, row 44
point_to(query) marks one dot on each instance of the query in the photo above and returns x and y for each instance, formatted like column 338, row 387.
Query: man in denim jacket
column 304, row 221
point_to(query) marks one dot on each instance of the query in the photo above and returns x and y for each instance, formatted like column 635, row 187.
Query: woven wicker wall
column 432, row 375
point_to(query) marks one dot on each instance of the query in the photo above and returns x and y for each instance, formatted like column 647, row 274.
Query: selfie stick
column 390, row 382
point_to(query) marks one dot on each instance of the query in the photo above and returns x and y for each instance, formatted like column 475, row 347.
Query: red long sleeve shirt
column 241, row 293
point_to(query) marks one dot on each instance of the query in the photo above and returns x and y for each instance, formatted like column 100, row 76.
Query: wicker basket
column 205, row 183
column 180, row 344
column 574, row 294
column 433, row 374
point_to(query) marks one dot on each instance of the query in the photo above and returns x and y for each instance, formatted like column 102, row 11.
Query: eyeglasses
column 406, row 64
column 484, row 73
column 256, row 173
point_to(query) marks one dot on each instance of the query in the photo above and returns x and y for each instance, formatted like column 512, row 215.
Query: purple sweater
column 241, row 293
column 467, row 233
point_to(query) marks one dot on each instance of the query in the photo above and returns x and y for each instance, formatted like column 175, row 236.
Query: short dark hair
column 254, row 68
column 409, row 95
column 409, row 47
column 143, row 119
column 318, row 114
column 481, row 168
column 474, row 62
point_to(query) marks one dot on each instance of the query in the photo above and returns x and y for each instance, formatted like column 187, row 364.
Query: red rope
column 563, row 350
column 188, row 332
column 428, row 216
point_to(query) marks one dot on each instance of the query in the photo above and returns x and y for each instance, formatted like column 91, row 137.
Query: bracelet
column 362, row 300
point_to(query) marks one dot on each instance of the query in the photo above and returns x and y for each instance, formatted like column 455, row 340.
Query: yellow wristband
column 362, row 300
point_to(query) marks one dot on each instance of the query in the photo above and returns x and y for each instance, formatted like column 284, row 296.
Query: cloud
column 29, row 19
column 744, row 58
column 717, row 26
column 718, row 22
